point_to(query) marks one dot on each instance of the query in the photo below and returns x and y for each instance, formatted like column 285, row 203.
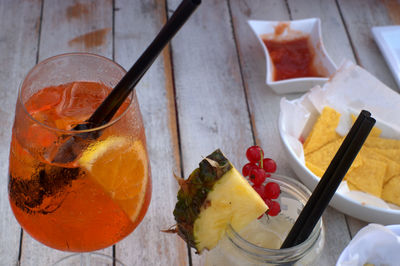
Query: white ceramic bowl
column 340, row 201
column 312, row 27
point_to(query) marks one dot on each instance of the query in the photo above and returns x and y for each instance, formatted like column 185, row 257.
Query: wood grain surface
column 205, row 91
column 18, row 50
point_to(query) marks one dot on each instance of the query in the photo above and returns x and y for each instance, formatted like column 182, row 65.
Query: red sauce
column 292, row 58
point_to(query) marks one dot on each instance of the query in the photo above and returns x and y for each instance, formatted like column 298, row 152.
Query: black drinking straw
column 330, row 181
column 70, row 149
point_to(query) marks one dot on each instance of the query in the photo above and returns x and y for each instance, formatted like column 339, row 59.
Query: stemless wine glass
column 94, row 200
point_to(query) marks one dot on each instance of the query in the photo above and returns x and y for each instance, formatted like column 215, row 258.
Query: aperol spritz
column 96, row 198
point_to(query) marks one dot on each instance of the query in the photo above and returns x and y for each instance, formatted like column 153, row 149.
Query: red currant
column 269, row 165
column 274, row 208
column 260, row 190
column 247, row 168
column 257, row 176
column 272, row 190
column 254, row 154
column 268, row 202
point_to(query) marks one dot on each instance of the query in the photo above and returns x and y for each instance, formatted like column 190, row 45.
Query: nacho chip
column 382, row 143
column 392, row 169
column 324, row 130
column 375, row 132
column 322, row 157
column 369, row 177
column 393, row 154
column 315, row 169
column 391, row 191
column 353, row 187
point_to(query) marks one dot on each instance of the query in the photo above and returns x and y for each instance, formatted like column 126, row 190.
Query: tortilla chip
column 324, row 130
column 375, row 132
column 352, row 186
column 368, row 178
column 391, row 191
column 315, row 169
column 322, row 157
column 393, row 154
column 392, row 169
column 381, row 143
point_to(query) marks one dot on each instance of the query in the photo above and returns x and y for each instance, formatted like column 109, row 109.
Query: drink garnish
column 258, row 170
column 214, row 196
column 126, row 164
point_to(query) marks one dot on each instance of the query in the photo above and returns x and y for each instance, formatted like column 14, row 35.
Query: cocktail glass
column 99, row 197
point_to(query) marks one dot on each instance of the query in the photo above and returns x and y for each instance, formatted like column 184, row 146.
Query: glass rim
column 66, row 131
column 257, row 251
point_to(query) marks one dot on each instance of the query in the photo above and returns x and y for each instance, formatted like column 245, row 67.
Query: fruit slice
column 214, row 196
column 120, row 167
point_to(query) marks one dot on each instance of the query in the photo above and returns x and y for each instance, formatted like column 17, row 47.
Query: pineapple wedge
column 214, row 196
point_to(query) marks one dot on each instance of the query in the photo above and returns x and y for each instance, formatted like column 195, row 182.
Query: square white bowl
column 311, row 27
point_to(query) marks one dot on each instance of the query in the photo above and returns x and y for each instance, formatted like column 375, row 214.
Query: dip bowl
column 290, row 30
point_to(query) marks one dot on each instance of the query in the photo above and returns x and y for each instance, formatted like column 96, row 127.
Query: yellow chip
column 352, row 186
column 322, row 157
column 369, row 177
column 392, row 169
column 375, row 132
column 382, row 143
column 393, row 154
column 324, row 130
column 391, row 191
column 315, row 169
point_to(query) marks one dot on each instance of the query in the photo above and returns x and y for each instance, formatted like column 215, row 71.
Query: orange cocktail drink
column 96, row 199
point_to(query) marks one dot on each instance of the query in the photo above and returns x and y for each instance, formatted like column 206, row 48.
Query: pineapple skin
column 214, row 196
column 194, row 191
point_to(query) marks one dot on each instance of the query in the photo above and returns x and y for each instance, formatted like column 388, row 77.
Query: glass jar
column 246, row 247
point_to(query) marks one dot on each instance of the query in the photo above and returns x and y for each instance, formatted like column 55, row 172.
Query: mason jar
column 259, row 243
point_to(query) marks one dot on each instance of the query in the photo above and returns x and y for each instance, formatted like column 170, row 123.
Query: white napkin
column 374, row 244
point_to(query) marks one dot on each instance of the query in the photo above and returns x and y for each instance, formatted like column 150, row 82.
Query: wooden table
column 205, row 91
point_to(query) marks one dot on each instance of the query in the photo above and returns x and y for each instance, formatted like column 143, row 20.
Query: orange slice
column 120, row 167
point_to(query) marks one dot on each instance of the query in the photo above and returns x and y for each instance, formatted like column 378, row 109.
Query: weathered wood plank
column 19, row 35
column 63, row 25
column 264, row 103
column 212, row 110
column 76, row 26
column 147, row 245
column 359, row 16
column 355, row 225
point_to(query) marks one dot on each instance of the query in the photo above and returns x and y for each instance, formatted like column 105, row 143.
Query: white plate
column 388, row 40
column 354, row 88
column 311, row 27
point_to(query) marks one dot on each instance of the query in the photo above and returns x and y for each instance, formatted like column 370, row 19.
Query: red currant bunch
column 258, row 169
